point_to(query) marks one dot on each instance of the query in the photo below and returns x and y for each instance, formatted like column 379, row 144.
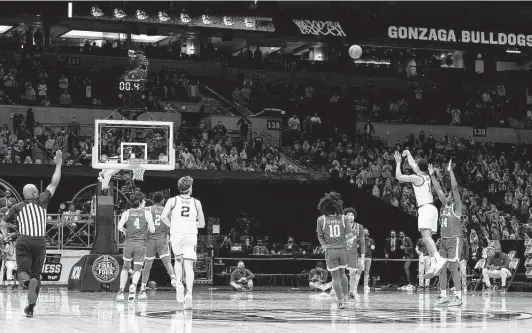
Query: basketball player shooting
column 135, row 224
column 186, row 216
column 157, row 243
column 451, row 234
column 335, row 236
column 427, row 219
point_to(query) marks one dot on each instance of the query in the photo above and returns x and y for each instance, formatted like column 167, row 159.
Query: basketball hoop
column 136, row 166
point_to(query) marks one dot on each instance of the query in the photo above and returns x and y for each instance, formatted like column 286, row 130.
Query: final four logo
column 105, row 269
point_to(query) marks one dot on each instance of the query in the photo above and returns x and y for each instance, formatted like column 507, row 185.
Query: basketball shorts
column 451, row 248
column 135, row 252
column 427, row 218
column 352, row 261
column 158, row 246
column 185, row 245
column 335, row 259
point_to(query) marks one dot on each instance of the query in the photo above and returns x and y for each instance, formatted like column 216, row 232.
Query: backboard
column 116, row 142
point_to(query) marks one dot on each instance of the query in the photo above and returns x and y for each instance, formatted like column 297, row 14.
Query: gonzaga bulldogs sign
column 459, row 36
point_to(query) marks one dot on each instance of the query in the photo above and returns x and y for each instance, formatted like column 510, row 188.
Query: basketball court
column 59, row 310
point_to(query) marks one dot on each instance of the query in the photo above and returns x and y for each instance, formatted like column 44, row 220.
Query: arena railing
column 70, row 231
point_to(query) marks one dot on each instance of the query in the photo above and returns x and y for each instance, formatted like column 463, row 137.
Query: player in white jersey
column 427, row 219
column 184, row 215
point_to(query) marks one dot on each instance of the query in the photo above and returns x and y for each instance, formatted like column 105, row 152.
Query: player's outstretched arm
column 56, row 178
column 166, row 211
column 436, row 184
column 201, row 218
column 456, row 190
column 399, row 175
column 122, row 222
column 411, row 161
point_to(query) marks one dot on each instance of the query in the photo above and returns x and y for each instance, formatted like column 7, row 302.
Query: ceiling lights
column 163, row 17
column 206, row 19
column 96, row 12
column 119, row 13
column 100, row 35
column 185, row 18
column 141, row 15
column 228, row 21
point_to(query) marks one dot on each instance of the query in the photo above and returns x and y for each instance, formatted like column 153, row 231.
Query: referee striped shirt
column 30, row 215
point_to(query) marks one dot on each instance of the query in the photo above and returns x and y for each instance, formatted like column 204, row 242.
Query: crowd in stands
column 495, row 179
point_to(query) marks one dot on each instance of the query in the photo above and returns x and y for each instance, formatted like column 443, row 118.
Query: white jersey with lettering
column 423, row 192
column 184, row 215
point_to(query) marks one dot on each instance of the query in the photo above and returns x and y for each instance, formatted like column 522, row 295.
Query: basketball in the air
column 152, row 285
column 355, row 51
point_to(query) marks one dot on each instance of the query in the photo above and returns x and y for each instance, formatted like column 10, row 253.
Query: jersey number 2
column 157, row 221
column 334, row 230
column 185, row 210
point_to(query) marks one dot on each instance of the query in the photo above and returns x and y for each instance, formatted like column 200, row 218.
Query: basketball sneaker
column 29, row 310
column 442, row 300
column 132, row 293
column 120, row 296
column 142, row 294
column 457, row 301
column 180, row 293
column 188, row 302
column 343, row 303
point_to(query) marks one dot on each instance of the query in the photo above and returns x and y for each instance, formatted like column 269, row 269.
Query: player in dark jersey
column 335, row 236
column 135, row 224
column 157, row 244
column 359, row 244
column 451, row 234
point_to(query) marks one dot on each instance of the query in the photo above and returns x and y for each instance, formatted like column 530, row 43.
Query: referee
column 31, row 244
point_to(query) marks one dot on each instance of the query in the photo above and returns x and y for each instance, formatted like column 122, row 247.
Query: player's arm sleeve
column 406, row 178
column 438, row 189
column 506, row 262
column 319, row 231
column 149, row 219
column 166, row 212
column 233, row 276
column 201, row 217
column 56, row 178
column 362, row 241
column 122, row 222
column 412, row 162
column 250, row 276
column 456, row 195
column 311, row 274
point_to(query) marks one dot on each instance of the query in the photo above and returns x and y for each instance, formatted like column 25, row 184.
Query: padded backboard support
column 152, row 141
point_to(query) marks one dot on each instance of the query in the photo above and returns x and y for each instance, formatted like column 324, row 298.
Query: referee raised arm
column 30, row 215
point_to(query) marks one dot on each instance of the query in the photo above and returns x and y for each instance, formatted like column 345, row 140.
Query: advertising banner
column 459, row 36
column 58, row 264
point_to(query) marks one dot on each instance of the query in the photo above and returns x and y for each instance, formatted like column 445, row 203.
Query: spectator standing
column 244, row 128
column 407, row 248
column 391, row 251
column 73, row 135
column 219, row 131
column 370, row 247
column 295, row 127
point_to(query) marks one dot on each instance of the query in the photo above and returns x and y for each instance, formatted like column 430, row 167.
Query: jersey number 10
column 334, row 230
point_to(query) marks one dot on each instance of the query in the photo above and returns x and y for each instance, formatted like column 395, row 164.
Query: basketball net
column 320, row 28
column 138, row 170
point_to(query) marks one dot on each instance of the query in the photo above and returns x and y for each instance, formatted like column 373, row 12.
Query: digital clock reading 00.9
column 131, row 86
